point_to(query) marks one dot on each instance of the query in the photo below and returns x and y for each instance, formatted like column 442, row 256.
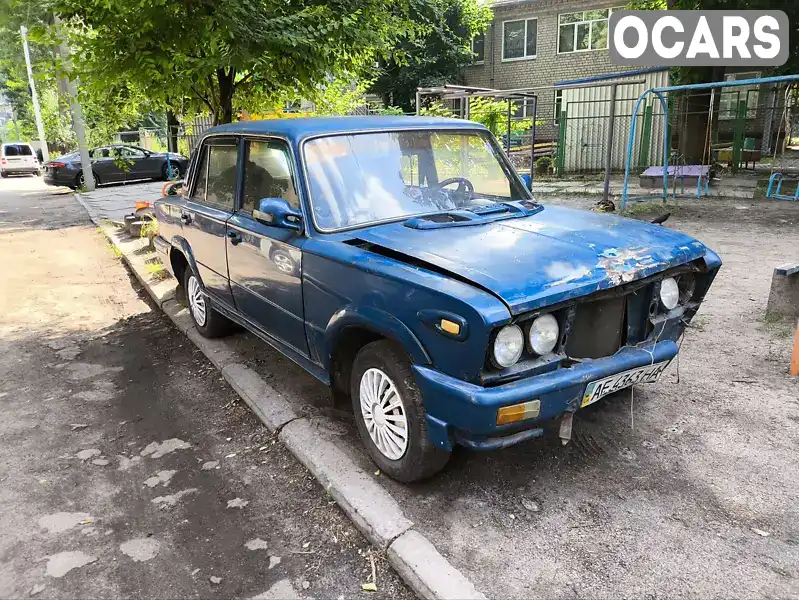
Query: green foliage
column 435, row 52
column 544, row 165
column 390, row 110
column 705, row 74
column 232, row 54
column 435, row 109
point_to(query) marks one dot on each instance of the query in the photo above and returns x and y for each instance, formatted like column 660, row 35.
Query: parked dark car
column 401, row 261
column 115, row 164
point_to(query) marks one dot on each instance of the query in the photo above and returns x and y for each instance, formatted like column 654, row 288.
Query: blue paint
column 303, row 291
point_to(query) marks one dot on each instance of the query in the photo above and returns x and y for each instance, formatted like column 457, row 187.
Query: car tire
column 177, row 172
column 386, row 401
column 79, row 183
column 209, row 322
column 3, row 174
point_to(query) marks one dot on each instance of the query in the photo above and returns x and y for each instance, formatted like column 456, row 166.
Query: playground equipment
column 702, row 178
column 778, row 177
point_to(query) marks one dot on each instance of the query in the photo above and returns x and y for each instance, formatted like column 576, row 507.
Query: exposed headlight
column 508, row 346
column 543, row 334
column 669, row 293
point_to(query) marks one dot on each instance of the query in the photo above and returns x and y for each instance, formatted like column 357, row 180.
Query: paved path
column 128, row 468
column 113, row 202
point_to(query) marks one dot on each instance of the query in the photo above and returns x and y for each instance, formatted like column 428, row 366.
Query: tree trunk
column 226, row 89
column 172, row 125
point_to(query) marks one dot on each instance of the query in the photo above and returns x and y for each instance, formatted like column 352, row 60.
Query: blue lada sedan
column 402, row 261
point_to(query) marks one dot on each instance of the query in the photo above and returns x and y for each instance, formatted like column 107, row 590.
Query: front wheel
column 390, row 414
column 208, row 321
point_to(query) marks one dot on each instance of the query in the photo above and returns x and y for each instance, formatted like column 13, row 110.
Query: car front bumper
column 467, row 413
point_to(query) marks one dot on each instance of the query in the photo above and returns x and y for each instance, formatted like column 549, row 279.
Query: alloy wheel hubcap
column 196, row 301
column 384, row 414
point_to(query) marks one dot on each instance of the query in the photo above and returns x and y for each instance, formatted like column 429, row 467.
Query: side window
column 202, row 169
column 267, row 174
column 221, row 185
column 129, row 152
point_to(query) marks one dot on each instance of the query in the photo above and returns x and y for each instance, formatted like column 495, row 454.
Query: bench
column 783, row 298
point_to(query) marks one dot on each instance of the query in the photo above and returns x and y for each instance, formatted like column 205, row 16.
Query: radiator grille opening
column 598, row 328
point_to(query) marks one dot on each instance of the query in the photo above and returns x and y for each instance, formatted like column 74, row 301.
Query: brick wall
column 548, row 67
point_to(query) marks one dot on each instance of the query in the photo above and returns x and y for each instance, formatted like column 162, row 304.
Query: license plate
column 602, row 387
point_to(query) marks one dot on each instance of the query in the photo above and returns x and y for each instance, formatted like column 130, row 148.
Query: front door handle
column 234, row 237
column 186, row 218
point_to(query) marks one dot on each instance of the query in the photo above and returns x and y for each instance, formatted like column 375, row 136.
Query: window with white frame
column 478, row 49
column 731, row 96
column 583, row 31
column 519, row 39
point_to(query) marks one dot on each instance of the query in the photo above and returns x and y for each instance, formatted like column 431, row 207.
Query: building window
column 519, row 39
column 728, row 103
column 478, row 49
column 583, row 31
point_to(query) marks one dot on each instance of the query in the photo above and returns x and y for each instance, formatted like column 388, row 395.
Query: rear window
column 17, row 150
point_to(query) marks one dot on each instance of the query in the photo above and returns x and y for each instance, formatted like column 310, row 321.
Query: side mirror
column 527, row 180
column 277, row 213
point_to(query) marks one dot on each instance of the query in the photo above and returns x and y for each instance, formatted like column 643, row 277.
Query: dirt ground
column 128, row 467
column 686, row 488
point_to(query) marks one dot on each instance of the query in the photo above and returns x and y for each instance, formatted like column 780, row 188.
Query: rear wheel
column 81, row 182
column 207, row 320
column 177, row 172
column 3, row 174
column 390, row 414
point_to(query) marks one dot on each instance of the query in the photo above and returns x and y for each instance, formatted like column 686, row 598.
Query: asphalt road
column 128, row 467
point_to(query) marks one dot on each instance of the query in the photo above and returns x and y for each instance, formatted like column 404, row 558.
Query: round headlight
column 508, row 346
column 669, row 293
column 543, row 335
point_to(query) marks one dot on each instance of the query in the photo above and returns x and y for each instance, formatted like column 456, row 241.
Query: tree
column 435, row 54
column 114, row 108
column 202, row 55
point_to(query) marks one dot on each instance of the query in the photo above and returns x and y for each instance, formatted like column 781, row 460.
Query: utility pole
column 77, row 113
column 36, row 111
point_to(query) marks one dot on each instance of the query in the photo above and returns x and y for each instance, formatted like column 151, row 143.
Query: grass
column 777, row 325
column 155, row 269
column 648, row 209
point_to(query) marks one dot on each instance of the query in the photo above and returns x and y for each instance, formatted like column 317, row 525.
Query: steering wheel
column 464, row 185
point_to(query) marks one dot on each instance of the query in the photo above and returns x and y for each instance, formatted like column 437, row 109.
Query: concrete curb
column 376, row 514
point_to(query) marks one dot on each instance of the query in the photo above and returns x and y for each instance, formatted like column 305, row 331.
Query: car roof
column 17, row 144
column 298, row 129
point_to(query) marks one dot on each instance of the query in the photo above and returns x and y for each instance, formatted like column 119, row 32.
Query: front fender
column 381, row 323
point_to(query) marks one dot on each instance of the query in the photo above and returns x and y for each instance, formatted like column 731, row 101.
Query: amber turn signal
column 518, row 412
column 450, row 327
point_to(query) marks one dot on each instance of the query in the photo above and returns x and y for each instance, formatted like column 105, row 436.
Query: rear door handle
column 186, row 218
column 234, row 237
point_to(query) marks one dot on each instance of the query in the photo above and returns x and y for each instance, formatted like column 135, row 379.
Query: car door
column 207, row 209
column 140, row 164
column 265, row 262
column 106, row 162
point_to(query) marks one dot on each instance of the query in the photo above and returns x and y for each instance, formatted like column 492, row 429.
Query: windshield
column 367, row 177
